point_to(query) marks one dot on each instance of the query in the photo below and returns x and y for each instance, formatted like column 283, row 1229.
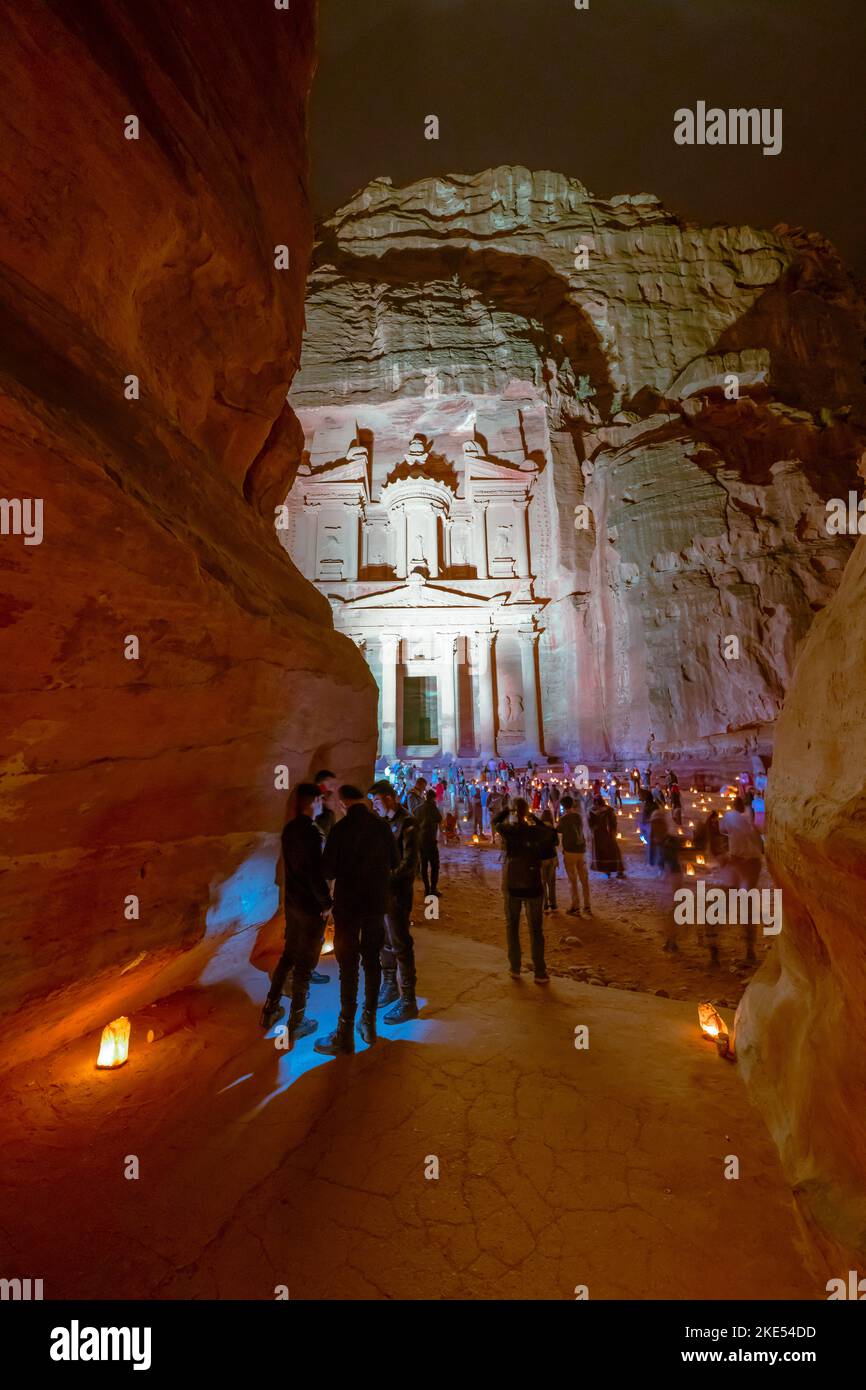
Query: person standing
column 306, row 902
column 358, row 858
column 398, row 952
column 415, row 798
column 606, row 856
column 550, row 862
column 526, row 842
column 477, row 812
column 660, row 830
column 573, row 840
column 429, row 819
column 485, row 799
column 744, row 861
column 327, row 784
column 676, row 802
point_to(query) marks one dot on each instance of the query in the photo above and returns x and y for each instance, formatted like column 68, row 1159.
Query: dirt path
column 620, row 945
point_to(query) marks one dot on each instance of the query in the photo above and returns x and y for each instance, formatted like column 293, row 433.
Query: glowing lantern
column 701, row 859
column 114, row 1044
column 618, row 835
column 690, row 870
column 475, row 839
column 713, row 1026
column 328, row 943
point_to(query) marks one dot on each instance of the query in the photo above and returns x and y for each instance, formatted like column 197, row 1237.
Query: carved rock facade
column 688, row 400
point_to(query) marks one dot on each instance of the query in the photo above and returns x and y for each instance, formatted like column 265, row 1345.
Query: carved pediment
column 417, row 593
column 479, row 465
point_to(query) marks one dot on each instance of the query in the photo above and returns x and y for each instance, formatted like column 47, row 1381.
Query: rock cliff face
column 801, row 1027
column 152, row 257
column 696, row 389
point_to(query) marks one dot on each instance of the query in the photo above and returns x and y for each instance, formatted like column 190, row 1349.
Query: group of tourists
column 353, row 858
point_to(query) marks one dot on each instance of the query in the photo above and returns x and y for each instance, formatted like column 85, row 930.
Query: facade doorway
column 420, row 711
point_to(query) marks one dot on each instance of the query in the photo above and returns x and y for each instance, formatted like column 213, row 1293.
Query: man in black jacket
column 527, row 843
column 399, row 948
column 307, row 902
column 359, row 857
column 429, row 819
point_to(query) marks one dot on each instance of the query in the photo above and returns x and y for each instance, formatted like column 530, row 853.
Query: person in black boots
column 307, row 902
column 429, row 819
column 399, row 948
column 359, row 857
column 527, row 842
column 327, row 784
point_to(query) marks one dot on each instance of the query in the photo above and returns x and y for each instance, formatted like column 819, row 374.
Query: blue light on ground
column 303, row 1058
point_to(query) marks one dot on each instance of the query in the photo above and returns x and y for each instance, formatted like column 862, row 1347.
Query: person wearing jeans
column 573, row 838
column 526, row 842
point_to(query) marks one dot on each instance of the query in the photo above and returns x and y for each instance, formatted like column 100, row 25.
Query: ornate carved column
column 433, row 557
column 352, row 535
column 398, row 521
column 531, row 711
column 521, row 510
column 484, row 666
column 446, row 543
column 482, row 564
column 388, row 742
column 447, row 707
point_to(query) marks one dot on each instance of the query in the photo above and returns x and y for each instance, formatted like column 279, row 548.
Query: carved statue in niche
column 418, row 556
column 503, row 542
column 511, row 712
column 331, row 546
column 417, row 453
column 458, row 545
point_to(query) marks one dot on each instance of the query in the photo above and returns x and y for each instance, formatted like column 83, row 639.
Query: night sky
column 592, row 94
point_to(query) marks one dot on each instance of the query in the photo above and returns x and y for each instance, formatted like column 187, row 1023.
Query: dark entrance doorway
column 420, row 710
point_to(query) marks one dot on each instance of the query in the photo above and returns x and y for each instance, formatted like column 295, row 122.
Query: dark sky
column 593, row 94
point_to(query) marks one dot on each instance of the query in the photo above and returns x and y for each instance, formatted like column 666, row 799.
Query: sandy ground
column 215, row 1164
column 558, row 1167
column 620, row 945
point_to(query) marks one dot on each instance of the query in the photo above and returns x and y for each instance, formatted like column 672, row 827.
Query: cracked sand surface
column 558, row 1166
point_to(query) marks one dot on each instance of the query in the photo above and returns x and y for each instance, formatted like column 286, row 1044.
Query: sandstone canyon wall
column 154, row 257
column 801, row 1027
column 462, row 306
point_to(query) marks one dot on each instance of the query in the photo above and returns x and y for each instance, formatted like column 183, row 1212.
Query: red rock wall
column 154, row 256
column 801, row 1028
